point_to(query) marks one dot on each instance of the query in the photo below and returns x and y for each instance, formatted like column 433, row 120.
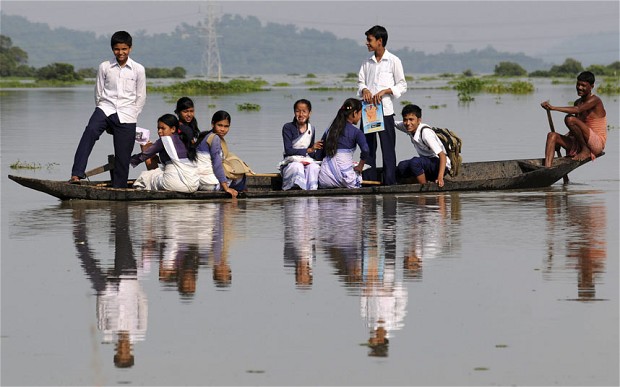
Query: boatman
column 120, row 94
column 586, row 122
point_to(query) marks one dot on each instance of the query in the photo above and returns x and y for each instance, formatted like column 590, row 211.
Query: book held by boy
column 372, row 117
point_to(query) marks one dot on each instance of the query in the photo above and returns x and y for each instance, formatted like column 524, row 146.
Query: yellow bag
column 234, row 167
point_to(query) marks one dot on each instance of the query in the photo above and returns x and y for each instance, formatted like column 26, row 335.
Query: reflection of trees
column 300, row 226
column 122, row 307
column 580, row 228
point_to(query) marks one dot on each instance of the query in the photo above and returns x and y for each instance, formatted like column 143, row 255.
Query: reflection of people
column 300, row 238
column 120, row 94
column 586, row 122
column 299, row 168
column 339, row 143
column 382, row 79
column 429, row 237
column 431, row 163
column 586, row 240
column 365, row 258
column 222, row 236
column 194, row 236
column 383, row 298
column 122, row 308
column 179, row 172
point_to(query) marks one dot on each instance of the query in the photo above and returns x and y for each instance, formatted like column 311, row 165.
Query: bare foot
column 583, row 155
column 74, row 180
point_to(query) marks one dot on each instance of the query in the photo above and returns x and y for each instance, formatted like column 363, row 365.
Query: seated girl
column 299, row 168
column 211, row 151
column 178, row 173
column 339, row 143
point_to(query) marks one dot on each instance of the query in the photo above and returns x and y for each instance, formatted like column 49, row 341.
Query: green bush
column 509, row 69
column 57, row 72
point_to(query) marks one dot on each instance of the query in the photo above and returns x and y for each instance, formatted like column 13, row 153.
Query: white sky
column 515, row 26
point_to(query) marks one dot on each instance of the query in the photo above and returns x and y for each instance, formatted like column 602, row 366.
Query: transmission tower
column 211, row 63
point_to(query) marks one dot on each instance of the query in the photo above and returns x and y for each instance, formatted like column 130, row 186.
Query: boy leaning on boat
column 120, row 95
column 431, row 164
column 586, row 121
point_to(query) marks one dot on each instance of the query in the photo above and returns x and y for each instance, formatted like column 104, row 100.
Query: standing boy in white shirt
column 381, row 79
column 120, row 94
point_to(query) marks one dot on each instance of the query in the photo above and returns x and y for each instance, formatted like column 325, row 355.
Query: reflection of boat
column 476, row 176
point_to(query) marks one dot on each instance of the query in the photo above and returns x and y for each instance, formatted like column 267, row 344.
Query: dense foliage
column 13, row 60
column 509, row 69
column 57, row 72
column 156, row 72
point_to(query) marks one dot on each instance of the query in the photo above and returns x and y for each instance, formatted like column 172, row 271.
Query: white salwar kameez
column 301, row 171
column 338, row 172
column 206, row 175
column 178, row 175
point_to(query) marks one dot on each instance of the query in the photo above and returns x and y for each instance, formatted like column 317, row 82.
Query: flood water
column 475, row 288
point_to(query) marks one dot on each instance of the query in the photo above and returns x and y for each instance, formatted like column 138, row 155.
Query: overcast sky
column 516, row 26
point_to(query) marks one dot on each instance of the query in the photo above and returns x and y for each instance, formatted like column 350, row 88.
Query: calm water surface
column 509, row 288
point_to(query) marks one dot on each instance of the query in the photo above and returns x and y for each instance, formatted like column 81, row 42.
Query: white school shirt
column 121, row 90
column 429, row 145
column 388, row 73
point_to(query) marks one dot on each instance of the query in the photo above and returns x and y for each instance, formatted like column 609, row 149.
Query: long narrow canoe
column 476, row 176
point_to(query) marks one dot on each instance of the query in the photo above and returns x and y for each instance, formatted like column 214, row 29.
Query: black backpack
column 452, row 143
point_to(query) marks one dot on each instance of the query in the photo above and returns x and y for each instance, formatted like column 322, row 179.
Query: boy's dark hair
column 121, row 37
column 378, row 32
column 586, row 76
column 412, row 109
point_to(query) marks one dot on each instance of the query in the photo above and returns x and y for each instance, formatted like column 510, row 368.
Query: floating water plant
column 24, row 165
column 248, row 107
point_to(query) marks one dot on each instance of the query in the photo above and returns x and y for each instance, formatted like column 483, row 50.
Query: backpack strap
column 223, row 143
column 422, row 138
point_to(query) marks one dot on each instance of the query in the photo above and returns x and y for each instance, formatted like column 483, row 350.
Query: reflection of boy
column 381, row 79
column 586, row 122
column 432, row 163
column 120, row 94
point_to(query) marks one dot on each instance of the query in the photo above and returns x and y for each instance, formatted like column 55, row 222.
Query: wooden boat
column 475, row 176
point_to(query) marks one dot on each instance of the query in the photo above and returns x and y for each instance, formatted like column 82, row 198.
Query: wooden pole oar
column 107, row 167
column 565, row 177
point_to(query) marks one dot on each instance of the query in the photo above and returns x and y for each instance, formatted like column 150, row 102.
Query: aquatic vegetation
column 337, row 88
column 247, row 106
column 609, row 88
column 465, row 97
column 200, row 87
column 469, row 85
column 281, row 84
column 311, row 83
column 310, row 75
column 517, row 87
column 437, row 106
column 24, row 165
